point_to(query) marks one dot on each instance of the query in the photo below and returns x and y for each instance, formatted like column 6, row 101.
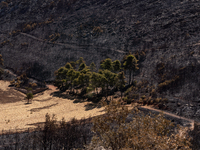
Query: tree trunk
column 129, row 77
column 121, row 94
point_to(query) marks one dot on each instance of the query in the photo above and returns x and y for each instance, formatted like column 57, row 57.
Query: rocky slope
column 44, row 35
column 50, row 33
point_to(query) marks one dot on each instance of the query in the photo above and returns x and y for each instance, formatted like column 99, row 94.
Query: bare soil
column 17, row 114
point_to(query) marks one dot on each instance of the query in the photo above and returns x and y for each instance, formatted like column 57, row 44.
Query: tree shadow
column 91, row 106
column 27, row 103
column 76, row 98
column 62, row 95
column 44, row 107
column 94, row 99
column 37, row 124
column 44, row 100
column 79, row 100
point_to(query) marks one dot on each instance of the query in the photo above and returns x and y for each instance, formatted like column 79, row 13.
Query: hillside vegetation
column 39, row 37
column 44, row 35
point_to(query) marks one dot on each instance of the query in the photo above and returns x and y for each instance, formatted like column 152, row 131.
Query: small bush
column 153, row 93
column 129, row 101
column 24, row 44
column 4, row 4
column 29, row 96
column 125, row 99
column 128, row 90
column 90, row 96
column 54, row 37
column 63, row 135
column 143, row 97
column 12, row 82
column 33, row 85
column 135, row 96
column 93, row 97
column 167, row 84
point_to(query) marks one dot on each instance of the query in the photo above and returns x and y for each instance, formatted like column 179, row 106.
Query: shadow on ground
column 38, row 124
column 91, row 106
column 78, row 99
column 45, row 107
column 10, row 96
column 63, row 95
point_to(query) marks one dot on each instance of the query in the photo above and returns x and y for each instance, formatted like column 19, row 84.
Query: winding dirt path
column 143, row 108
column 71, row 45
column 16, row 114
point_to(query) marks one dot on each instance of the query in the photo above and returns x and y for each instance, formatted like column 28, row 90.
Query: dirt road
column 148, row 108
column 15, row 113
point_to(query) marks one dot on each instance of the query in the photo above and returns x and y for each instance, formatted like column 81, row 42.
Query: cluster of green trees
column 77, row 75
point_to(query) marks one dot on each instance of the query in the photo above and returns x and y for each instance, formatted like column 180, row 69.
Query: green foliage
column 128, row 90
column 130, row 62
column 85, row 78
column 127, row 100
column 116, row 65
column 107, row 64
column 82, row 66
column 144, row 132
column 80, row 61
column 61, row 73
column 131, row 65
column 92, row 67
column 110, row 77
column 29, row 96
column 73, row 64
column 61, row 78
column 121, row 81
column 68, row 65
column 95, row 80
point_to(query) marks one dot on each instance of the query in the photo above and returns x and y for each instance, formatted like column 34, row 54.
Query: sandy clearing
column 4, row 85
column 16, row 114
column 20, row 115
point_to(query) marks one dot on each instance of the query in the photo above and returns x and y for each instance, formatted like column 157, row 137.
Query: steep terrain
column 44, row 35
